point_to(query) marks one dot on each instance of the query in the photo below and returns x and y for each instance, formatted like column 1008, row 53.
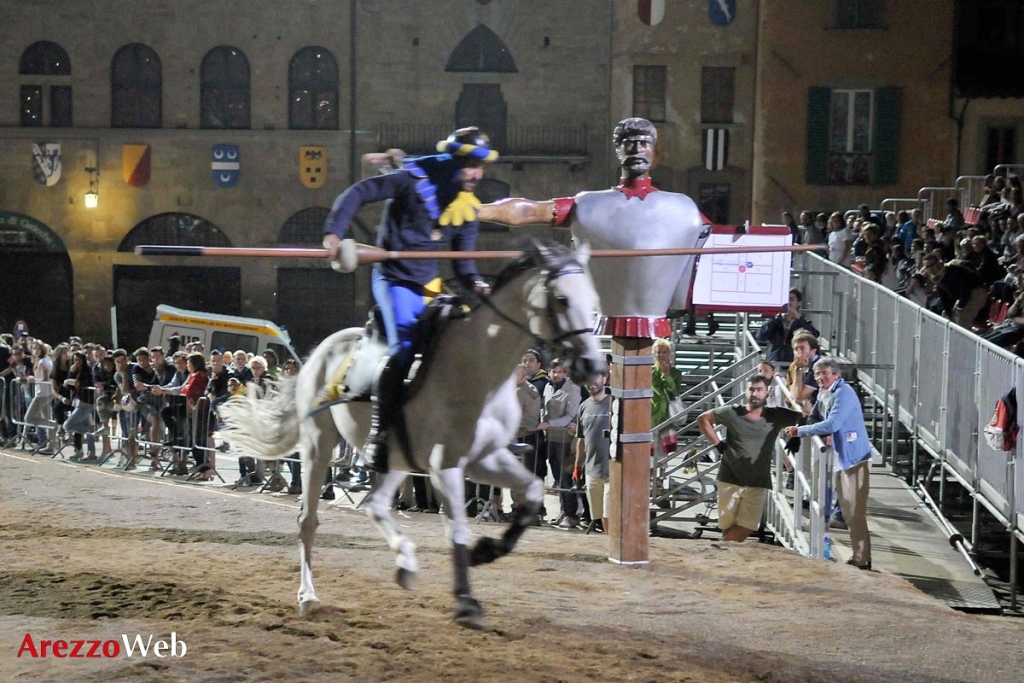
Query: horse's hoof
column 308, row 605
column 485, row 551
column 405, row 578
column 469, row 613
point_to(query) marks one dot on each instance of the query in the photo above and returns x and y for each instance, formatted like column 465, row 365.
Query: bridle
column 567, row 266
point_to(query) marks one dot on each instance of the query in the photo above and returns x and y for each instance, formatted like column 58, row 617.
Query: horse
column 461, row 420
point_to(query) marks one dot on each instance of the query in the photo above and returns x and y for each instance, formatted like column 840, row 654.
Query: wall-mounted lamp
column 92, row 197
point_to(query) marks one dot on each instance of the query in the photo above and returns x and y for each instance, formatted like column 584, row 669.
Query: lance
column 368, row 254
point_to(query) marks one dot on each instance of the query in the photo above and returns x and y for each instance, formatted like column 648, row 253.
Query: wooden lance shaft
column 368, row 254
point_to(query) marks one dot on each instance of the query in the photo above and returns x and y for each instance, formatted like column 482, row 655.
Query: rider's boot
column 387, row 402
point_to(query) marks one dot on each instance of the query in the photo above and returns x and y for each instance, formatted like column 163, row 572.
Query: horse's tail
column 266, row 427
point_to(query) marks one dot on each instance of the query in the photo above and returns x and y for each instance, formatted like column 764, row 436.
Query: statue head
column 634, row 140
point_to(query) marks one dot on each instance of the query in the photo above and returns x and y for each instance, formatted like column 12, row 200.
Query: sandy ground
column 86, row 554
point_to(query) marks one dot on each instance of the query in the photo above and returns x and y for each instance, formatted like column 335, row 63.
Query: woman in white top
column 840, row 241
column 40, row 410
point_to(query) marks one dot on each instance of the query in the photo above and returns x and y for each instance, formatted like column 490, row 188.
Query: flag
column 135, row 162
column 716, row 148
column 313, row 166
column 721, row 12
column 46, row 164
column 225, row 163
column 651, row 11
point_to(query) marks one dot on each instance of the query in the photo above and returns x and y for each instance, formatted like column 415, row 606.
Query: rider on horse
column 431, row 204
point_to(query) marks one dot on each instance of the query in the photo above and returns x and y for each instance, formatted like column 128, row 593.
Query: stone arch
column 304, row 228
column 481, row 51
column 175, row 229
column 36, row 278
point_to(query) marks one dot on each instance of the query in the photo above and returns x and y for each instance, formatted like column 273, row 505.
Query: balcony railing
column 567, row 142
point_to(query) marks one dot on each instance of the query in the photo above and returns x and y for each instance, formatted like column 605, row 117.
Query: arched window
column 481, row 51
column 175, row 229
column 224, row 89
column 304, row 228
column 44, row 58
column 136, row 88
column 313, row 90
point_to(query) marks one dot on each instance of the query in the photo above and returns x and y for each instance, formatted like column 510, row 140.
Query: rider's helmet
column 469, row 142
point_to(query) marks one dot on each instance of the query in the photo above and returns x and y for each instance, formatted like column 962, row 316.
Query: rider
column 431, row 203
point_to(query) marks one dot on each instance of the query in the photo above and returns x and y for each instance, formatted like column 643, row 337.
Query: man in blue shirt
column 430, row 205
column 843, row 420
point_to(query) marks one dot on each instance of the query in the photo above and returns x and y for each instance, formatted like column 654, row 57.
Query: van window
column 231, row 342
column 283, row 353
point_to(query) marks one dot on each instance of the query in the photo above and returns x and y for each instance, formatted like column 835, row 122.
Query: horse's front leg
column 315, row 460
column 450, row 484
column 379, row 512
column 501, row 468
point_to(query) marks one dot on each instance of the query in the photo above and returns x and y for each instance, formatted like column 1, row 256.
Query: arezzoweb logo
column 103, row 649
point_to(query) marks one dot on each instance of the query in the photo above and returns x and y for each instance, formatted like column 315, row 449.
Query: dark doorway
column 139, row 289
column 314, row 303
column 37, row 288
column 482, row 105
column 713, row 202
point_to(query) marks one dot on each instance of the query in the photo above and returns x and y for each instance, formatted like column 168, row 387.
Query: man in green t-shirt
column 748, row 450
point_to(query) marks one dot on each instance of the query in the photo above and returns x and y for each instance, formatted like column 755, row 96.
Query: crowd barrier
column 939, row 380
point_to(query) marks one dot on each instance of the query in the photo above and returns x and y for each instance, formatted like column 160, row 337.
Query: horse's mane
column 546, row 253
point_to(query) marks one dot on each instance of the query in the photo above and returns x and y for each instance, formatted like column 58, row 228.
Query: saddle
column 356, row 375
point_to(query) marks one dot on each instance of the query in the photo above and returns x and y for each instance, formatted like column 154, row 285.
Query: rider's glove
column 461, row 210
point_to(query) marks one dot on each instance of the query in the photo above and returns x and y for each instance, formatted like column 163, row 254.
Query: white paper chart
column 745, row 281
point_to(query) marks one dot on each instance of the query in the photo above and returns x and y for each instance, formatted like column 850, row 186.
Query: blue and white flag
column 46, row 165
column 226, row 164
column 721, row 12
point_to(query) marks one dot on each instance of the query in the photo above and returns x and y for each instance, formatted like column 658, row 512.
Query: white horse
column 460, row 421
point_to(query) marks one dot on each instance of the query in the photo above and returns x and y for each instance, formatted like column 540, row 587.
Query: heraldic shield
column 225, row 162
column 46, row 164
column 135, row 160
column 313, row 166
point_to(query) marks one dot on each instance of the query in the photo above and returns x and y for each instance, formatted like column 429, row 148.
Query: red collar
column 641, row 187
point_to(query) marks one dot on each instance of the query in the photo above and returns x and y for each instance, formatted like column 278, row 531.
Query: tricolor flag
column 716, row 148
column 651, row 12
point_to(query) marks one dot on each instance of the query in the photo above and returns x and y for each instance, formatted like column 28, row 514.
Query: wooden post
column 630, row 466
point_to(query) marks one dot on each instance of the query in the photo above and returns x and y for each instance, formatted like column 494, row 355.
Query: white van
column 225, row 332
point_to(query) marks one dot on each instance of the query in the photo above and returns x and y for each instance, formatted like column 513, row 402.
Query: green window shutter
column 818, row 106
column 887, row 128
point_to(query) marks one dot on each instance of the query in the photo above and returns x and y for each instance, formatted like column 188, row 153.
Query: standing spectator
column 106, row 388
column 812, row 232
column 842, row 418
column 273, row 369
column 667, row 385
column 790, row 222
column 892, row 224
column 40, row 410
column 778, row 332
column 538, row 377
column 869, row 253
column 163, row 368
column 199, row 419
column 143, row 378
column 748, row 451
column 775, row 399
column 592, row 449
column 240, row 367
column 80, row 421
column 911, row 230
column 800, row 378
column 866, row 216
column 840, row 240
column 560, row 406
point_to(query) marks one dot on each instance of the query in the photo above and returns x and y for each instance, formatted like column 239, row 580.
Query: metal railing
column 939, row 381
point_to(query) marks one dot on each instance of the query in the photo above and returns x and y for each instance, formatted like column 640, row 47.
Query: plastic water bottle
column 828, row 550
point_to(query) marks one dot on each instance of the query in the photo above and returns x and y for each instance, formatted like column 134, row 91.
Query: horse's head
column 562, row 303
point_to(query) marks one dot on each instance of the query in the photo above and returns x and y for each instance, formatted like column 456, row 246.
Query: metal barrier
column 937, row 196
column 941, row 385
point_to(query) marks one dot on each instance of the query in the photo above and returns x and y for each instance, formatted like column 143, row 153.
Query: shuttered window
column 852, row 136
